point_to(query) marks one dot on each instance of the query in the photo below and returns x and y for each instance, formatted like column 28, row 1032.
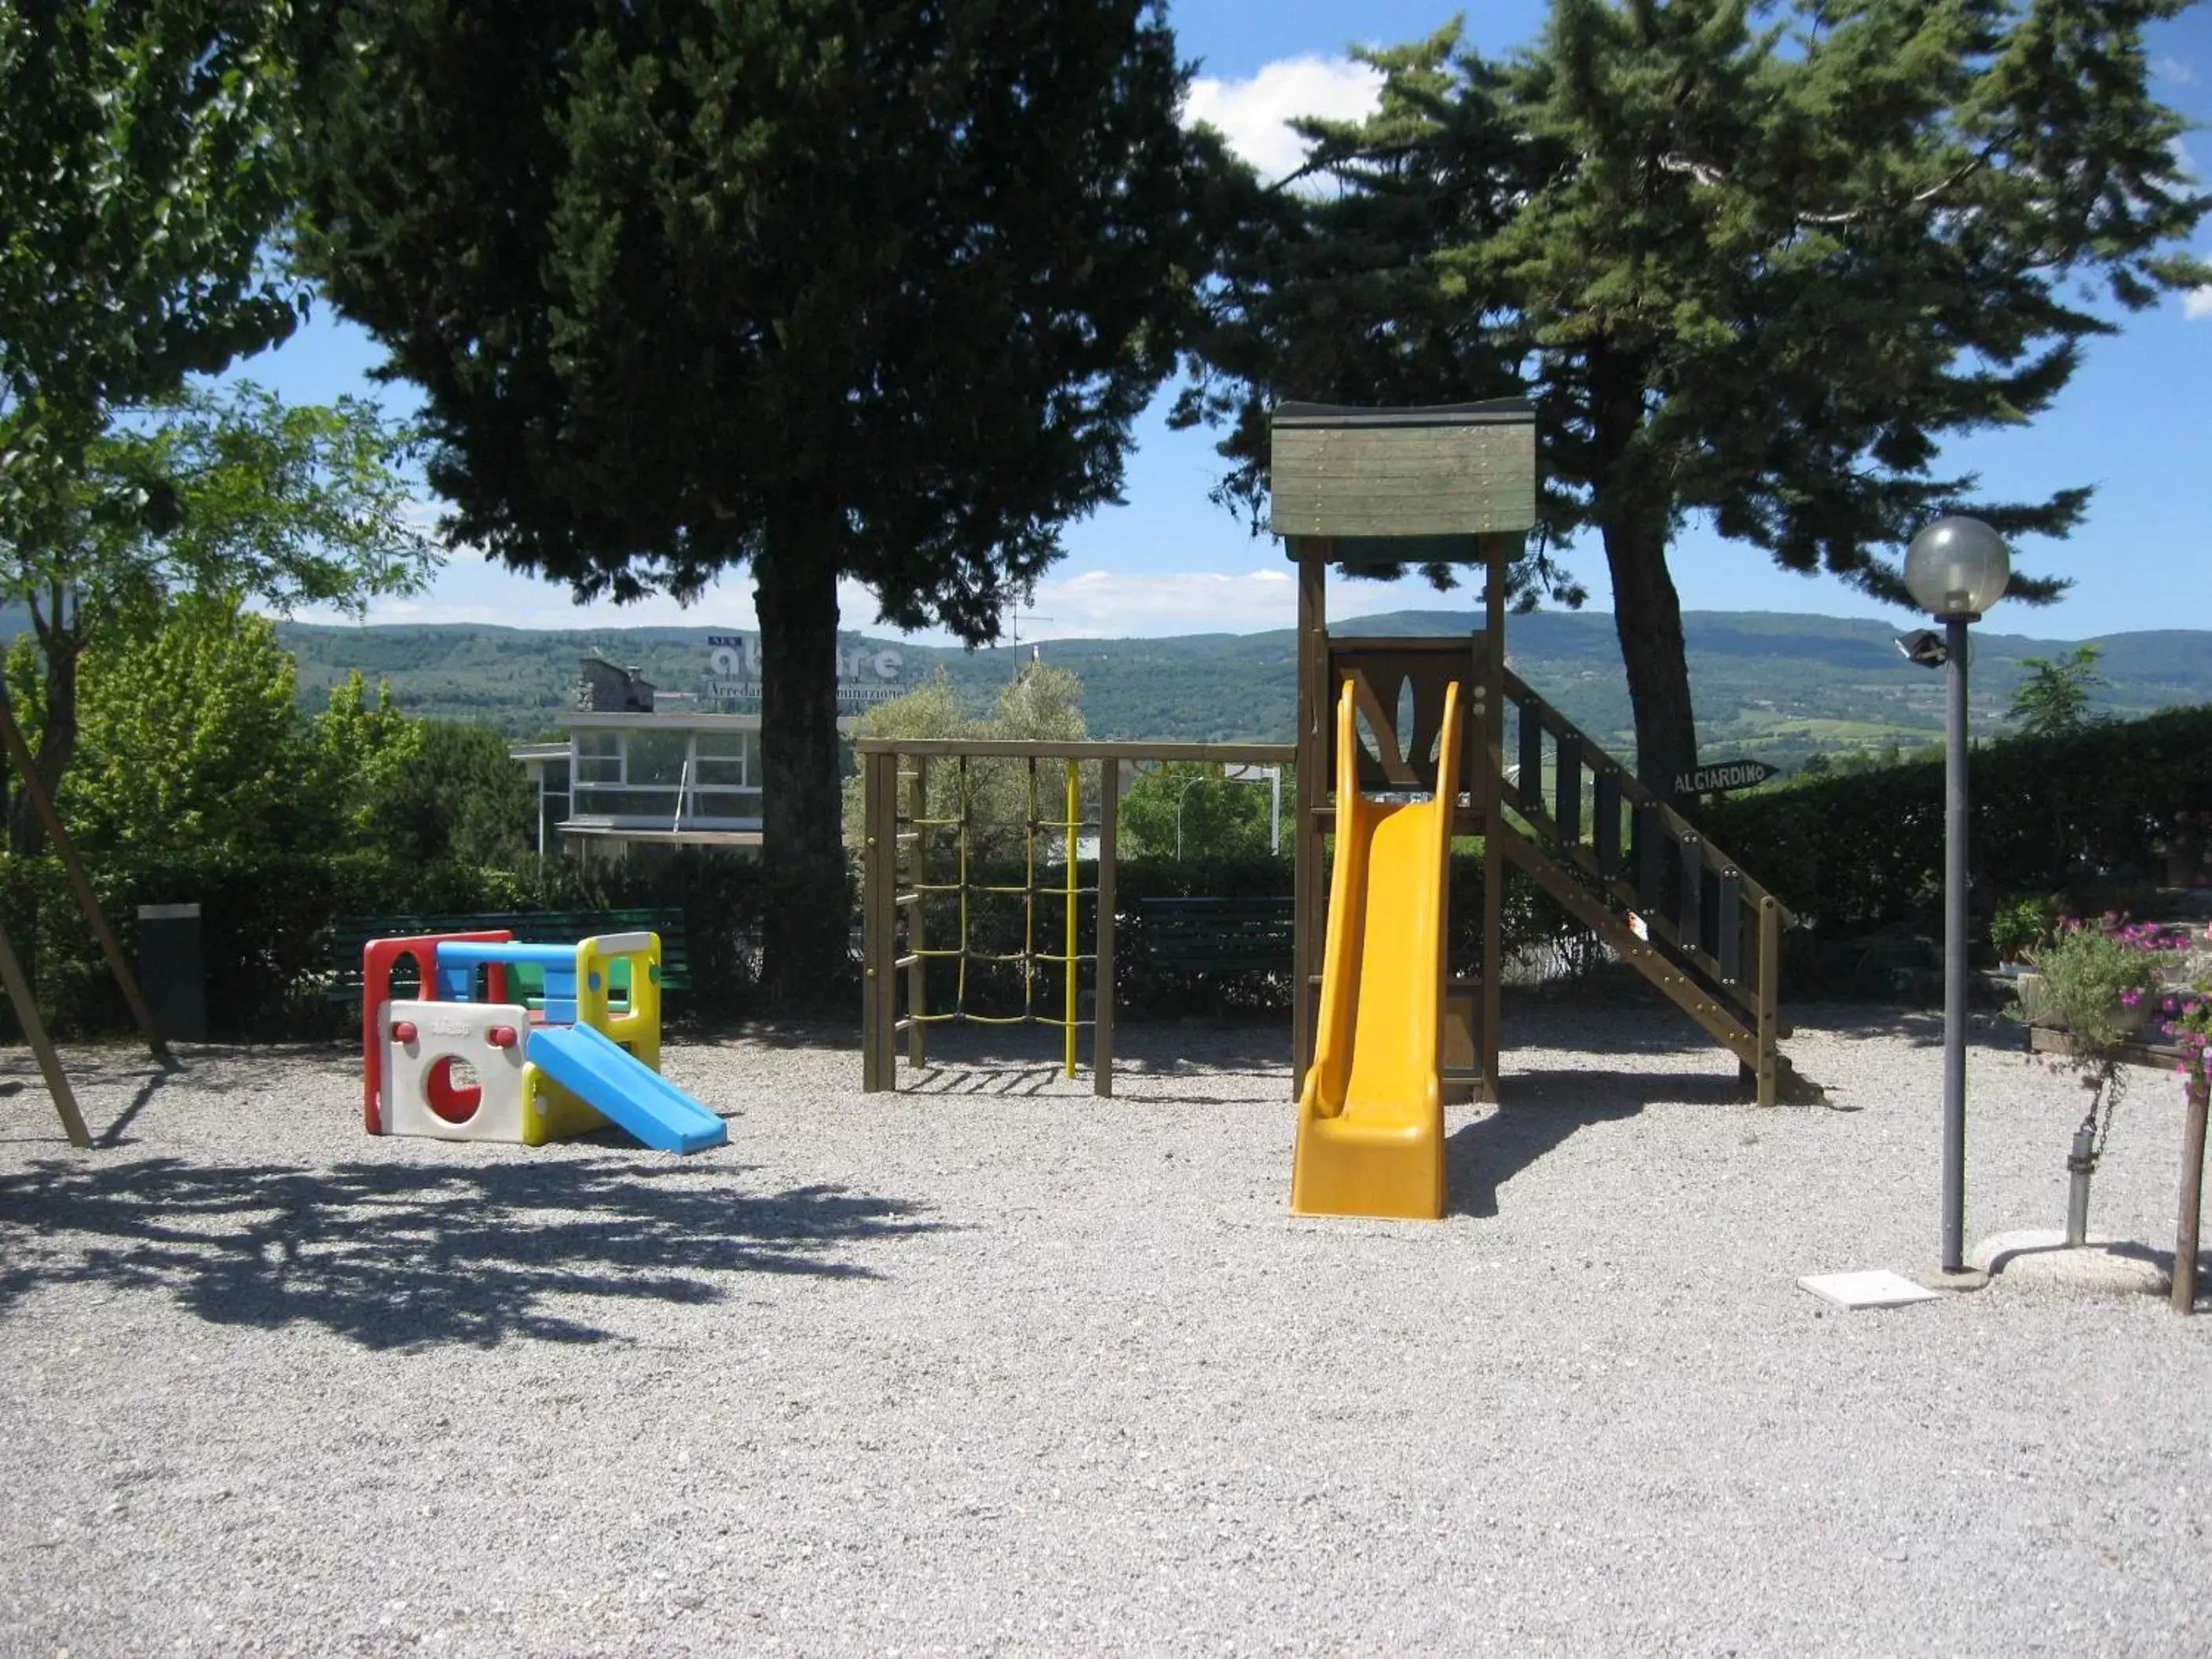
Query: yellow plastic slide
column 1371, row 1115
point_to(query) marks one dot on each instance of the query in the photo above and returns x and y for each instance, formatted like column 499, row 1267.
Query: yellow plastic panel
column 1370, row 1116
column 550, row 1112
column 637, row 1027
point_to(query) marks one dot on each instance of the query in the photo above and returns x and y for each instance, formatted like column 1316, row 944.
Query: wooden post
column 917, row 977
column 878, row 1056
column 1310, row 919
column 1770, row 996
column 42, row 1046
column 2192, row 1192
column 1101, row 995
column 885, row 988
column 79, row 883
column 1492, row 788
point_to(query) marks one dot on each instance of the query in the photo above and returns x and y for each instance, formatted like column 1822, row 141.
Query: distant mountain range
column 1772, row 685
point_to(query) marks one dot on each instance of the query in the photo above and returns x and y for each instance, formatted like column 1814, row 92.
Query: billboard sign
column 866, row 673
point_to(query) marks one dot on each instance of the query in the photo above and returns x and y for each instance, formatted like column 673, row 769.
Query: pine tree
column 1754, row 263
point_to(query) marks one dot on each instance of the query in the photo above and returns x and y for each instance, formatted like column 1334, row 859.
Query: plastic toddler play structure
column 462, row 1061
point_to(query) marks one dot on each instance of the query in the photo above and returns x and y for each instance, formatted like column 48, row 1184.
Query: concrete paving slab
column 1869, row 1287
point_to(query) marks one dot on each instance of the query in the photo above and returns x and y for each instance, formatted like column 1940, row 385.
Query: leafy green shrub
column 2022, row 926
column 2081, row 814
column 266, row 921
column 2096, row 982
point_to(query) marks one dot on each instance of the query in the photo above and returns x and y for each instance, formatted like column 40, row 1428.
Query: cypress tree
column 822, row 289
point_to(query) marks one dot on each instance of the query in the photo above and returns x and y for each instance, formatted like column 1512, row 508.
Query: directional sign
column 1723, row 774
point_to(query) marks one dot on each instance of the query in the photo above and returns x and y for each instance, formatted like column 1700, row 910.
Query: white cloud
column 1254, row 115
column 1094, row 603
column 2196, row 304
column 2179, row 70
column 1113, row 604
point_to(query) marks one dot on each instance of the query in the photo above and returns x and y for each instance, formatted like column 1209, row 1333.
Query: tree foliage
column 1040, row 703
column 143, row 171
column 1190, row 809
column 139, row 176
column 189, row 740
column 1753, row 262
column 356, row 754
column 2053, row 698
column 460, row 797
column 827, row 291
column 220, row 496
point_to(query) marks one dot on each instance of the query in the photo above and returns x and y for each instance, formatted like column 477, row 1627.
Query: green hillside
column 1769, row 684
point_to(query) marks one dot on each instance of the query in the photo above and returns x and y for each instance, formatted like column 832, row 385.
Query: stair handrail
column 1526, row 796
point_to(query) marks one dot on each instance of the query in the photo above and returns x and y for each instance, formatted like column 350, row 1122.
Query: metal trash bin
column 173, row 971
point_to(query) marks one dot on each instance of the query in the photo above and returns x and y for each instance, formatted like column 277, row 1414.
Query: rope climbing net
column 903, row 836
column 912, row 839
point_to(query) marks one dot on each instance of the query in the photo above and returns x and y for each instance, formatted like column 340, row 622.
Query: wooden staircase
column 1639, row 875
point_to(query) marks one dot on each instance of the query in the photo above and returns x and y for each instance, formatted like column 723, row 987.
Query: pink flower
column 2130, row 999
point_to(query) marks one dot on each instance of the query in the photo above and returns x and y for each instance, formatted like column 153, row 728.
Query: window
column 599, row 756
column 658, row 757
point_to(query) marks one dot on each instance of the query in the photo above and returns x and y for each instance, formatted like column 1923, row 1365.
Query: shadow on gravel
column 1920, row 1028
column 961, row 1058
column 1012, row 1079
column 406, row 1256
column 1545, row 1108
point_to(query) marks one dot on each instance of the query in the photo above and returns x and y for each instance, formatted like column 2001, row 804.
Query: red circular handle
column 403, row 1030
column 501, row 1037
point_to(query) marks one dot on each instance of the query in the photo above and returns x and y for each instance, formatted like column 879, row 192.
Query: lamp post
column 1955, row 570
column 1179, row 799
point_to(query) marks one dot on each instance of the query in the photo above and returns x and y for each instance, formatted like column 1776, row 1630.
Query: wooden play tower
column 1370, row 488
column 1354, row 488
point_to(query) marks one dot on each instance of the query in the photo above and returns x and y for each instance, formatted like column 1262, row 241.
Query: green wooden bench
column 1219, row 935
column 349, row 933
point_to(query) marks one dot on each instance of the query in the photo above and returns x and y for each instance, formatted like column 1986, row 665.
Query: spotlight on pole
column 1924, row 646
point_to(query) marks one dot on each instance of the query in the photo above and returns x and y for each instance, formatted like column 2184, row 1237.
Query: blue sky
column 2136, row 422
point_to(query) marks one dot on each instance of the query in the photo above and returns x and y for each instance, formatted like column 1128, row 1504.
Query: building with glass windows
column 643, row 767
column 634, row 773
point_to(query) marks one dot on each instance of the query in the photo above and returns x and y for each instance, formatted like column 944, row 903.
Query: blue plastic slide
column 631, row 1094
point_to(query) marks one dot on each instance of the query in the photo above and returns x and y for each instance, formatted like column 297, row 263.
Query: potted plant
column 2020, row 928
column 2098, row 985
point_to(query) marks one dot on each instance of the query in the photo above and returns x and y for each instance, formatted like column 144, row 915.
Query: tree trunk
column 806, row 926
column 1647, row 615
column 57, row 742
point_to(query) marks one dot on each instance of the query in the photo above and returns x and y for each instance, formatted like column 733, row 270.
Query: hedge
column 267, row 924
column 2084, row 814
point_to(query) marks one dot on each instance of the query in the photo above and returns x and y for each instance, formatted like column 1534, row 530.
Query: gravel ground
column 990, row 1365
